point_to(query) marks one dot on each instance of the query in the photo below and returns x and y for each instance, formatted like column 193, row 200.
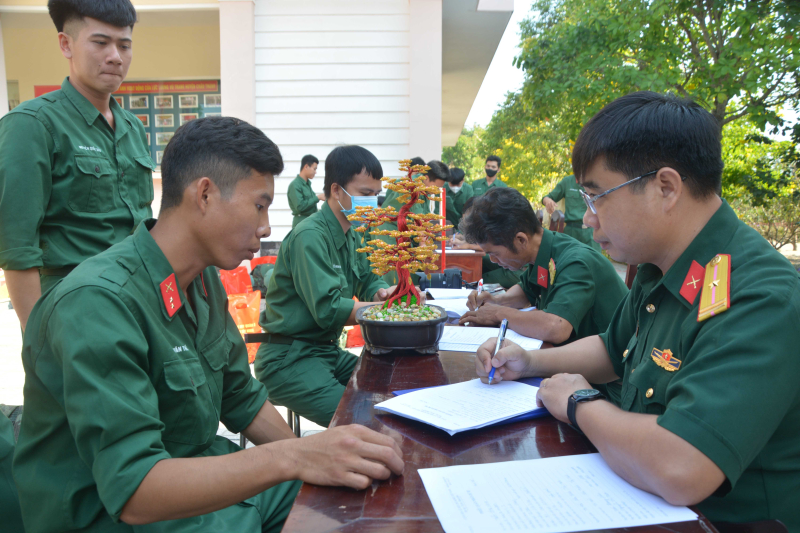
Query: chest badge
column 169, row 293
column 552, row 270
column 716, row 295
column 665, row 359
column 541, row 276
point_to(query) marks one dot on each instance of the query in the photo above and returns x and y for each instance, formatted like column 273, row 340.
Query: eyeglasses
column 590, row 199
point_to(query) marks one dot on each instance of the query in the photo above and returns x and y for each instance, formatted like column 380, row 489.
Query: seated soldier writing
column 706, row 340
column 132, row 361
column 310, row 295
column 574, row 288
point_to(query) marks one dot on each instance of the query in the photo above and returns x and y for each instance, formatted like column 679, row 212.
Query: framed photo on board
column 165, row 121
column 163, row 102
column 163, row 137
column 145, row 120
column 139, row 101
column 186, row 117
column 212, row 100
column 188, row 100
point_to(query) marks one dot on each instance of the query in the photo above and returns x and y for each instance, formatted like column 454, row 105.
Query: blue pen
column 500, row 339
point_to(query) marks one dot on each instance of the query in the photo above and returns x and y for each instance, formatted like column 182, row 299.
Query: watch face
column 585, row 393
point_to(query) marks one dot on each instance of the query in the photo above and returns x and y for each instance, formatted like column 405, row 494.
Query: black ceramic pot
column 383, row 337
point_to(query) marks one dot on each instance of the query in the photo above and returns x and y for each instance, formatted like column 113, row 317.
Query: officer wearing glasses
column 705, row 342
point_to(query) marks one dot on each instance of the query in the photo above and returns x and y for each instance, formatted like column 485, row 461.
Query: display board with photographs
column 164, row 106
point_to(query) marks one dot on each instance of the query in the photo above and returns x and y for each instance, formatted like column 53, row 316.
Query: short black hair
column 467, row 205
column 417, row 161
column 645, row 131
column 496, row 159
column 438, row 171
column 119, row 13
column 497, row 216
column 456, row 175
column 224, row 149
column 346, row 162
column 308, row 160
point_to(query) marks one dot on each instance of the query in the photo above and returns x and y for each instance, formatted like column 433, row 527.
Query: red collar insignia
column 169, row 292
column 693, row 282
column 541, row 276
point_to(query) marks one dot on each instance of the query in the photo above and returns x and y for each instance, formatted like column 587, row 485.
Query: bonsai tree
column 415, row 237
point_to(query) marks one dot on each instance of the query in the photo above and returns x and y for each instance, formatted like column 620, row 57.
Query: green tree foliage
column 467, row 154
column 737, row 58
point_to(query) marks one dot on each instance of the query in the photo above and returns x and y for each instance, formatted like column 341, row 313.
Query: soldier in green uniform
column 491, row 180
column 574, row 208
column 706, row 341
column 121, row 419
column 458, row 192
column 75, row 169
column 310, row 295
column 574, row 288
column 9, row 501
column 302, row 198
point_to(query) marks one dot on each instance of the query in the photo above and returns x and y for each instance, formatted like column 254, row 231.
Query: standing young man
column 310, row 295
column 302, row 198
column 570, row 190
column 458, row 192
column 491, row 169
column 132, row 361
column 75, row 170
column 706, row 341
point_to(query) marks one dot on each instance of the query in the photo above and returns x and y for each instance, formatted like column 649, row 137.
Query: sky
column 502, row 76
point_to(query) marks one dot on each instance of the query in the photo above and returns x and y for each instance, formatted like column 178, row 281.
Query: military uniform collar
column 335, row 228
column 712, row 240
column 84, row 106
column 542, row 262
column 165, row 282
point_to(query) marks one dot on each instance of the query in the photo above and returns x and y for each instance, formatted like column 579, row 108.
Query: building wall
column 167, row 46
column 331, row 72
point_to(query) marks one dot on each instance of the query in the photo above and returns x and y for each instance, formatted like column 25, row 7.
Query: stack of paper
column 470, row 339
column 571, row 493
column 464, row 406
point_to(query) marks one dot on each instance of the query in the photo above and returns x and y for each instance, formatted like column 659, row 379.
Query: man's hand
column 549, row 204
column 487, row 314
column 321, row 196
column 475, row 300
column 351, row 456
column 511, row 361
column 554, row 393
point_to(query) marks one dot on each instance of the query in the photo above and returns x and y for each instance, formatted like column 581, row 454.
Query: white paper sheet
column 559, row 494
column 448, row 294
column 464, row 406
column 470, row 339
column 455, row 307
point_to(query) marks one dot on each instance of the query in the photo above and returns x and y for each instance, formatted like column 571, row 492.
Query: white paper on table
column 559, row 494
column 474, row 337
column 455, row 307
column 448, row 294
column 464, row 406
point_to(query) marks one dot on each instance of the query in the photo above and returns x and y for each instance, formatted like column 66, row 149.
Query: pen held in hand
column 500, row 338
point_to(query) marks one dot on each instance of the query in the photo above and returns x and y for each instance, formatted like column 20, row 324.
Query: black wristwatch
column 583, row 395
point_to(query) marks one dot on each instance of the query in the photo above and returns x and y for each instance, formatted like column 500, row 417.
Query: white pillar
column 3, row 80
column 237, row 58
column 425, row 92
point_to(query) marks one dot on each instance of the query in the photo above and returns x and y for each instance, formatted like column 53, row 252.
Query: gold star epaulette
column 715, row 297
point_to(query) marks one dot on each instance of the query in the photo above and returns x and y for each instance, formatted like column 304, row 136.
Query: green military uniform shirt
column 318, row 271
column 309, row 299
column 585, row 290
column 70, row 186
column 121, row 373
column 455, row 203
column 734, row 394
column 302, row 199
column 481, row 186
column 570, row 190
column 9, row 501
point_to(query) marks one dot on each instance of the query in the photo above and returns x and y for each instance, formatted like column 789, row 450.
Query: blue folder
column 537, row 412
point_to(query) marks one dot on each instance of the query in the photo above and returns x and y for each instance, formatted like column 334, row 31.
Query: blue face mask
column 355, row 201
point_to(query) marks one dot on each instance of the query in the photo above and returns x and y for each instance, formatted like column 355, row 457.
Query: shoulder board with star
column 715, row 297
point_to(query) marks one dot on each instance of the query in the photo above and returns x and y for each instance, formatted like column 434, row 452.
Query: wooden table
column 401, row 504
